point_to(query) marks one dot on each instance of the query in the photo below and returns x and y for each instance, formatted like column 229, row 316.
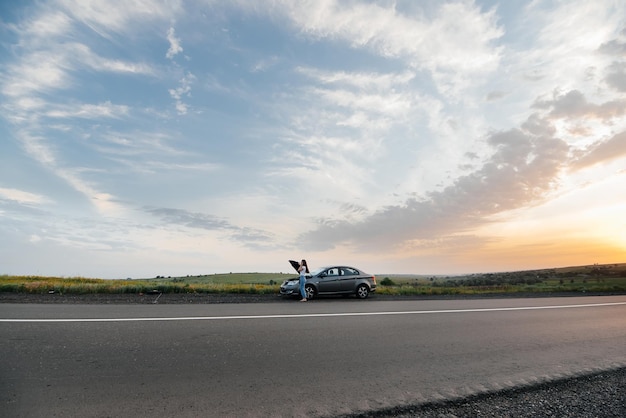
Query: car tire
column 310, row 292
column 362, row 292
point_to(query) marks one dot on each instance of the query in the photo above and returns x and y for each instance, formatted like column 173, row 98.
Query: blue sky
column 193, row 137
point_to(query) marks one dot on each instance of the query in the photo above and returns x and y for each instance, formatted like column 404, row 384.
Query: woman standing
column 303, row 269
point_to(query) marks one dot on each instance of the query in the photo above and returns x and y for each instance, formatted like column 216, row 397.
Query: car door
column 329, row 281
column 348, row 279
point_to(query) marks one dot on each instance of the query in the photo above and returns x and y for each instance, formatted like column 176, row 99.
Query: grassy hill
column 605, row 278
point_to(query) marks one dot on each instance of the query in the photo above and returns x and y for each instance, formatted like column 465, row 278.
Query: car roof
column 337, row 266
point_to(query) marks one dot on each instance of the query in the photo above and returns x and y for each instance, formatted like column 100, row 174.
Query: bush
column 387, row 282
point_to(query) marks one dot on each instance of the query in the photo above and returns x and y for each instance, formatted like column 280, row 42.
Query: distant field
column 225, row 278
column 215, row 283
column 604, row 278
column 607, row 278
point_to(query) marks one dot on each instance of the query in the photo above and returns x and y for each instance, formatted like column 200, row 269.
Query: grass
column 608, row 286
column 253, row 283
column 608, row 278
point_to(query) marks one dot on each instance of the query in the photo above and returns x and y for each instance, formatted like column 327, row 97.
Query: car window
column 347, row 271
column 332, row 272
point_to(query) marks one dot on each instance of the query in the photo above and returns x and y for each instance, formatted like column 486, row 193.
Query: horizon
column 452, row 137
column 174, row 276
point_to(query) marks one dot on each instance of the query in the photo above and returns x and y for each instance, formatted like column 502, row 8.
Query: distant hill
column 613, row 270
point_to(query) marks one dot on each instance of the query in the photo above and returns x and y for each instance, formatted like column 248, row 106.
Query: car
column 332, row 280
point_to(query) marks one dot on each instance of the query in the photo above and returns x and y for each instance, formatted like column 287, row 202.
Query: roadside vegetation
column 607, row 278
column 252, row 283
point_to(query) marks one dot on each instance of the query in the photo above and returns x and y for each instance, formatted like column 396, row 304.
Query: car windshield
column 318, row 271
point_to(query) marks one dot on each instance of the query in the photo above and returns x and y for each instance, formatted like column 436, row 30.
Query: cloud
column 190, row 219
column 88, row 111
column 265, row 64
column 573, row 104
column 137, row 143
column 22, row 197
column 602, row 152
column 152, row 167
column 47, row 66
column 390, row 104
column 365, row 101
column 359, row 80
column 44, row 25
column 38, row 72
column 80, row 55
column 341, row 120
column 616, row 76
column 37, row 147
column 523, row 169
column 193, row 220
column 616, row 46
column 61, row 44
column 104, row 19
column 175, row 47
column 183, row 90
column 558, row 45
column 495, row 95
column 454, row 44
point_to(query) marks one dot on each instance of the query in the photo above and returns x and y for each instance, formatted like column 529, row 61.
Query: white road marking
column 304, row 315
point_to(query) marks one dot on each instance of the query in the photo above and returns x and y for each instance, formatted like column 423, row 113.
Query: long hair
column 305, row 265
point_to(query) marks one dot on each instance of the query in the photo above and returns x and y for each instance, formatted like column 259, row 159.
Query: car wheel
column 310, row 292
column 362, row 291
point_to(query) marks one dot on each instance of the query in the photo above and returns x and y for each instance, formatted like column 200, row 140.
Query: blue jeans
column 302, row 289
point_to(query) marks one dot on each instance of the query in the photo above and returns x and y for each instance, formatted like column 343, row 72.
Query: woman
column 303, row 269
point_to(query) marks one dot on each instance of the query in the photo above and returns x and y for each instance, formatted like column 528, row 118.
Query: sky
column 150, row 137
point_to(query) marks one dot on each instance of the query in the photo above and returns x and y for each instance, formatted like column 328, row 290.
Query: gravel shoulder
column 597, row 395
column 601, row 394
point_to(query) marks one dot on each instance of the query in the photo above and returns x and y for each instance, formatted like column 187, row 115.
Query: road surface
column 320, row 358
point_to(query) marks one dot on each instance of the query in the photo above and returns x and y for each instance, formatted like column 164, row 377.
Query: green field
column 215, row 283
column 607, row 278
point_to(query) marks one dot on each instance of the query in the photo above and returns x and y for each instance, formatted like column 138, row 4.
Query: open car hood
column 295, row 265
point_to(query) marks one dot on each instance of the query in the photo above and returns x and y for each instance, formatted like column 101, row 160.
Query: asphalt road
column 320, row 358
